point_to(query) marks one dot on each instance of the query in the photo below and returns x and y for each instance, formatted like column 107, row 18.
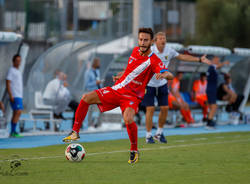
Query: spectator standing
column 212, row 79
column 14, row 86
column 93, row 82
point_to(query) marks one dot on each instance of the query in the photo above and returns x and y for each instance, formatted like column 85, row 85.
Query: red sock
column 80, row 114
column 185, row 115
column 205, row 111
column 132, row 133
column 191, row 119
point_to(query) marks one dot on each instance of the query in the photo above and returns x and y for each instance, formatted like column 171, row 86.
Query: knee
column 164, row 109
column 150, row 110
column 128, row 119
column 86, row 98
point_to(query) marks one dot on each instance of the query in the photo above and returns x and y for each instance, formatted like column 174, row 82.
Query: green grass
column 208, row 158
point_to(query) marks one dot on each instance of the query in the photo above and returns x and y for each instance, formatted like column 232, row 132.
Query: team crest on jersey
column 105, row 91
column 131, row 103
column 166, row 57
column 130, row 61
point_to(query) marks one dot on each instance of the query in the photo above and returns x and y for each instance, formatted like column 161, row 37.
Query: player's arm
column 221, row 64
column 186, row 57
column 165, row 75
column 2, row 107
column 9, row 90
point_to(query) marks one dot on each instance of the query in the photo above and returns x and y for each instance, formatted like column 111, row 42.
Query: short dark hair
column 203, row 74
column 227, row 76
column 14, row 57
column 147, row 30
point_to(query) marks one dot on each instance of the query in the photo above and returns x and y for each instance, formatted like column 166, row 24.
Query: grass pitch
column 206, row 158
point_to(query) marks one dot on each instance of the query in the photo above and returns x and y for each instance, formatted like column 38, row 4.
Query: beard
column 147, row 48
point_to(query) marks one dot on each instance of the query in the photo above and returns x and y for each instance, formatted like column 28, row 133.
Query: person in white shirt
column 58, row 95
column 14, row 86
column 158, row 88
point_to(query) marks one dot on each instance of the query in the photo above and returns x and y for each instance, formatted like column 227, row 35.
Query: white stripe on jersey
column 132, row 75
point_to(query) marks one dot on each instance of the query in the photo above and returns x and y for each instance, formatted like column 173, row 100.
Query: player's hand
column 205, row 60
column 12, row 99
column 118, row 76
column 115, row 78
column 98, row 82
column 164, row 75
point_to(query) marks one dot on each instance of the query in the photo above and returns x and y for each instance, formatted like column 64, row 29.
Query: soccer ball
column 75, row 152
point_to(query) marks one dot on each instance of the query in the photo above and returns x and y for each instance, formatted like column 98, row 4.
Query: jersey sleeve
column 158, row 66
column 9, row 75
column 173, row 53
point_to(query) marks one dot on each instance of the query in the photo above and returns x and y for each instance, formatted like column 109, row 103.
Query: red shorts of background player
column 110, row 99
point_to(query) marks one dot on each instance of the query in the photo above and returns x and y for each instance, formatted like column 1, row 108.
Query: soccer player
column 128, row 90
column 159, row 89
column 200, row 96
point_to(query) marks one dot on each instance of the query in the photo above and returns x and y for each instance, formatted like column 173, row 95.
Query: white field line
column 142, row 149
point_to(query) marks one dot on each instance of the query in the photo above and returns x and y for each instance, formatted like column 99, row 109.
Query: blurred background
column 68, row 34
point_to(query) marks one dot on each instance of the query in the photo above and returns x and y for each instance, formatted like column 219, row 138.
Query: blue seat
column 187, row 98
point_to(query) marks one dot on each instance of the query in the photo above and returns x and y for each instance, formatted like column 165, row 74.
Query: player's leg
column 202, row 100
column 128, row 116
column 149, row 124
column 81, row 111
column 17, row 107
column 211, row 95
column 14, row 120
column 150, row 108
column 162, row 98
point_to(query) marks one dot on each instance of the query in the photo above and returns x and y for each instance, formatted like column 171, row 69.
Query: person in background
column 93, row 82
column 212, row 79
column 14, row 86
column 2, row 107
column 58, row 95
column 227, row 93
column 175, row 97
column 199, row 94
column 159, row 88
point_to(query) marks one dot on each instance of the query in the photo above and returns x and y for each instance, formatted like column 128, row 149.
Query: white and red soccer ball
column 75, row 152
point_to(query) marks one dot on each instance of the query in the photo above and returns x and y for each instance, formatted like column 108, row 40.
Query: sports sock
column 191, row 119
column 13, row 127
column 185, row 115
column 132, row 133
column 80, row 114
column 159, row 131
column 205, row 111
column 148, row 134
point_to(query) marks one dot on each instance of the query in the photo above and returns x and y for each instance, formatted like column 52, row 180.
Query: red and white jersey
column 138, row 73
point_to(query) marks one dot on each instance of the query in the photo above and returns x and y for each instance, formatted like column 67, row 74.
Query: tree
column 223, row 23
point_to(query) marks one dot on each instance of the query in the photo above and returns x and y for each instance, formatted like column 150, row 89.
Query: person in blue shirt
column 212, row 79
column 93, row 82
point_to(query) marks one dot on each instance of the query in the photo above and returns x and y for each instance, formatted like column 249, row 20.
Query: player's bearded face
column 144, row 42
